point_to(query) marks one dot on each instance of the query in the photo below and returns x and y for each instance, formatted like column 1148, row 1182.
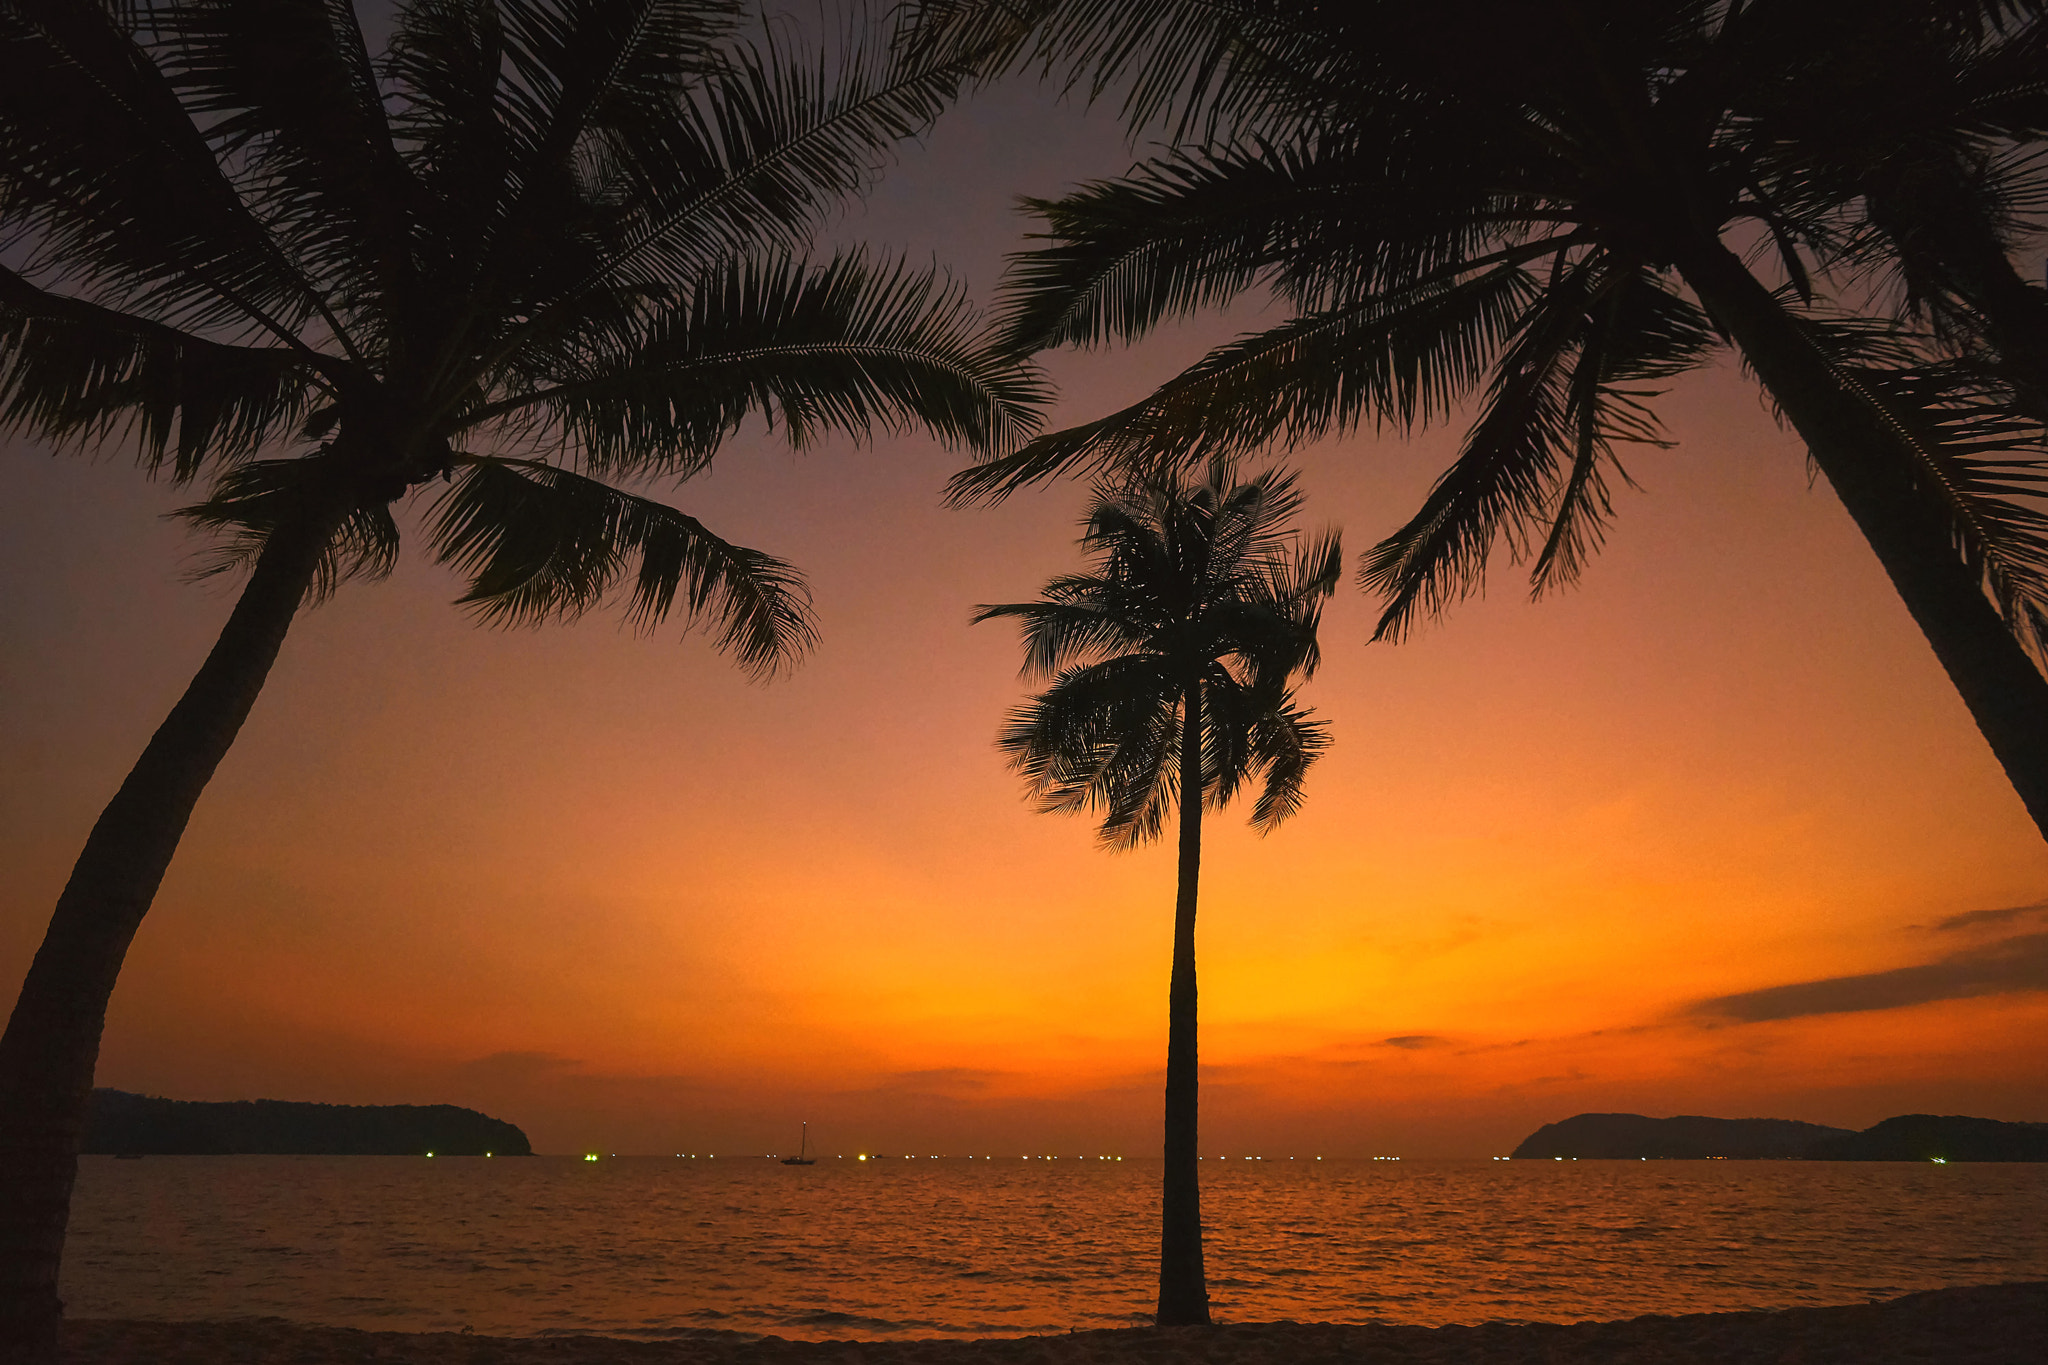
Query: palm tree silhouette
column 1171, row 666
column 1543, row 204
column 533, row 246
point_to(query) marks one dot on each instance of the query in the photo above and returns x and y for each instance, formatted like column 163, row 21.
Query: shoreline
column 1996, row 1324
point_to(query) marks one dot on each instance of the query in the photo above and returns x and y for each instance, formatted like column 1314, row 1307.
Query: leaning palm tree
column 1171, row 667
column 1544, row 206
column 532, row 247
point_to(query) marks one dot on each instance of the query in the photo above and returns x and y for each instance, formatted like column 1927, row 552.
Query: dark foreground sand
column 2002, row 1324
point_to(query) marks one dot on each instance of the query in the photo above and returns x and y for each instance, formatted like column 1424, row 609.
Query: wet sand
column 1980, row 1325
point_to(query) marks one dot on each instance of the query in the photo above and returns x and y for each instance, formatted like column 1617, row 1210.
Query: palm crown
column 1198, row 589
column 534, row 244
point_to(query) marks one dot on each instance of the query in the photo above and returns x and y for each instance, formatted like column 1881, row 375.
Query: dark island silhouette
column 1931, row 1137
column 1629, row 1136
column 1909, row 1137
column 123, row 1124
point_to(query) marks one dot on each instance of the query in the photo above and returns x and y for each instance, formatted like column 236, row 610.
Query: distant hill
column 1951, row 1137
column 1910, row 1137
column 1629, row 1136
column 119, row 1122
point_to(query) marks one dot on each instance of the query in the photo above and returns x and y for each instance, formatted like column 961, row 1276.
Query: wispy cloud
column 1415, row 1042
column 1971, row 919
column 948, row 1081
column 515, row 1066
column 2019, row 963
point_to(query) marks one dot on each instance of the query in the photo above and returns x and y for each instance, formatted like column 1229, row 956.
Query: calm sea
column 657, row 1247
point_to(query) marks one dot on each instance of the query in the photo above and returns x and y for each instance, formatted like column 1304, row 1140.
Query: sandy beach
column 2003, row 1324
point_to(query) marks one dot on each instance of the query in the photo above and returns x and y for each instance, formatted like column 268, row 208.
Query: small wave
column 826, row 1317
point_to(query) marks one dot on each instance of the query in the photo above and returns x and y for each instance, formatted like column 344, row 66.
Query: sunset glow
column 605, row 888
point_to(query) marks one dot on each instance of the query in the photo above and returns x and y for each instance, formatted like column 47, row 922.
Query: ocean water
column 662, row 1247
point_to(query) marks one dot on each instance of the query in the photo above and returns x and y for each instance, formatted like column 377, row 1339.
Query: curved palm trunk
column 1998, row 681
column 1183, row 1286
column 52, row 1042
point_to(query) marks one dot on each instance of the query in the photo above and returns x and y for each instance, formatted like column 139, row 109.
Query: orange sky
column 601, row 886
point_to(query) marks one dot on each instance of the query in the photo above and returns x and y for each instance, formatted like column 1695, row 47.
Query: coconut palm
column 531, row 248
column 1171, row 666
column 1545, row 205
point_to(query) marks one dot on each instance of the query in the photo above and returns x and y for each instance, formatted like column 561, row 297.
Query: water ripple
column 658, row 1248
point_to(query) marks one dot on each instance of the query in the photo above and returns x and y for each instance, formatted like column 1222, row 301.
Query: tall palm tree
column 1545, row 204
column 531, row 246
column 1172, row 664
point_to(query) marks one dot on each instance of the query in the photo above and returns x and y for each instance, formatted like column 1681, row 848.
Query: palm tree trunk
column 1183, row 1286
column 52, row 1042
column 1998, row 681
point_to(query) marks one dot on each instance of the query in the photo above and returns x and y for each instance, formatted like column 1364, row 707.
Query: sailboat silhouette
column 802, row 1157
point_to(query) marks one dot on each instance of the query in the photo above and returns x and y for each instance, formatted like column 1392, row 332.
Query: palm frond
column 1326, row 220
column 74, row 373
column 751, row 155
column 285, row 89
column 1196, row 62
column 1126, row 253
column 1407, row 360
column 103, row 166
column 850, row 346
column 540, row 543
column 525, row 117
column 793, row 136
column 1638, row 334
column 1077, row 623
column 1297, row 585
column 1561, row 397
column 1984, row 465
column 1284, row 742
column 1102, row 741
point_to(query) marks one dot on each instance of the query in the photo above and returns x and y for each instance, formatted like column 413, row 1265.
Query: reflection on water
column 645, row 1246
